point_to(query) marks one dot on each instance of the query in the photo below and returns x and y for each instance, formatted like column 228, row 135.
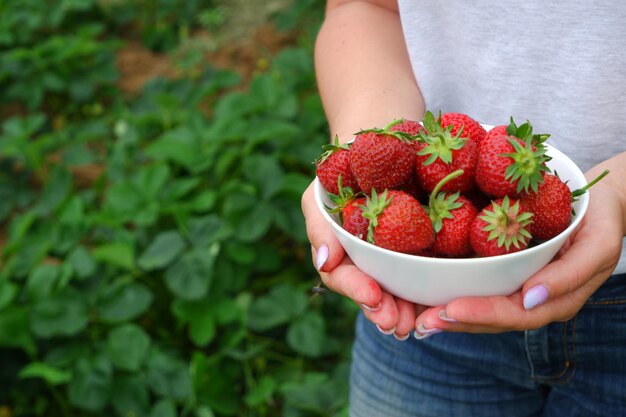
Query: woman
column 558, row 346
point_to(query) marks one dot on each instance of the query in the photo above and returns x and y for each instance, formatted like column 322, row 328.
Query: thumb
column 326, row 248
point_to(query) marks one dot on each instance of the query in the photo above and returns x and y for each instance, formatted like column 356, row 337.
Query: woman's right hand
column 392, row 315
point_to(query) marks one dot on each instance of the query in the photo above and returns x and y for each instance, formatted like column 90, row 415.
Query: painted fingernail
column 443, row 316
column 423, row 333
column 368, row 308
column 387, row 332
column 322, row 256
column 402, row 338
column 535, row 296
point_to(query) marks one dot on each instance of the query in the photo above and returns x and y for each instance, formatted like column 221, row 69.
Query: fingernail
column 535, row 296
column 402, row 338
column 387, row 332
column 423, row 333
column 322, row 256
column 443, row 316
column 368, row 308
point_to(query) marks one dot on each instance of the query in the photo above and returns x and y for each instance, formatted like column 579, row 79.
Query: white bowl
column 436, row 281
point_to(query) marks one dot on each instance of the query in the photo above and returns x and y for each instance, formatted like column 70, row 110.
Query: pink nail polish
column 322, row 256
column 368, row 308
column 535, row 296
column 386, row 332
column 443, row 316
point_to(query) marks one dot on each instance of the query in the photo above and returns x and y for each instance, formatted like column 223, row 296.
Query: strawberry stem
column 581, row 191
column 440, row 206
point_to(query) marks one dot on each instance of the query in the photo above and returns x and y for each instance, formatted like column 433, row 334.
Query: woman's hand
column 392, row 315
column 558, row 291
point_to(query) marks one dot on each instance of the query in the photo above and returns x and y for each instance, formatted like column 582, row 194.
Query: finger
column 590, row 258
column 406, row 318
column 348, row 280
column 328, row 250
column 386, row 317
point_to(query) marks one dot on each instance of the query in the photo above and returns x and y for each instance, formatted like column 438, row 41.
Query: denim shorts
column 568, row 369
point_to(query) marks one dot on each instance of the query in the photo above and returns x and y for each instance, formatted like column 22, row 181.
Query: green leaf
column 82, row 262
column 63, row 314
column 200, row 316
column 8, row 291
column 162, row 251
column 190, row 277
column 307, row 335
column 256, row 223
column 207, row 230
column 123, row 301
column 127, row 346
column 204, row 201
column 41, row 280
column 15, row 329
column 163, row 408
column 168, row 376
column 49, row 373
column 117, row 254
column 55, row 191
column 283, row 304
column 265, row 173
column 129, row 396
column 151, row 180
column 316, row 394
column 262, row 392
column 91, row 383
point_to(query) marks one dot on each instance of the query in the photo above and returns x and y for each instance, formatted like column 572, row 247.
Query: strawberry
column 335, row 163
column 353, row 220
column 463, row 125
column 500, row 228
column 452, row 216
column 382, row 158
column 551, row 206
column 348, row 206
column 441, row 153
column 411, row 127
column 496, row 130
column 398, row 222
column 509, row 163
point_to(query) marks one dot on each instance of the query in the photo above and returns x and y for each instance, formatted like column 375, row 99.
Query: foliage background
column 153, row 255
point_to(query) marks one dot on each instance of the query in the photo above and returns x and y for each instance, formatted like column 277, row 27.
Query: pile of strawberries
column 446, row 187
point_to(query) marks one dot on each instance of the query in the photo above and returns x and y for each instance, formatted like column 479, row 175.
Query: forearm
column 363, row 70
column 615, row 180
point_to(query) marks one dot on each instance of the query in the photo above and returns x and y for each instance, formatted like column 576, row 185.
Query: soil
column 244, row 42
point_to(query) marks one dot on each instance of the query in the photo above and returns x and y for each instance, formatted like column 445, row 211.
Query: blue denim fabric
column 568, row 369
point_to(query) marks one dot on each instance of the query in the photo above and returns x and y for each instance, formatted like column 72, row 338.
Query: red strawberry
column 497, row 130
column 465, row 125
column 500, row 228
column 510, row 163
column 353, row 220
column 452, row 216
column 398, row 222
column 349, row 207
column 551, row 206
column 381, row 158
column 335, row 163
column 441, row 153
column 411, row 127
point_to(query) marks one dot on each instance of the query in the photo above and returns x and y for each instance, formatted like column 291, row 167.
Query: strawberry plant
column 153, row 254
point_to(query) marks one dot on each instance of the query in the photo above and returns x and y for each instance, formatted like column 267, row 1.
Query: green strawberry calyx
column 440, row 205
column 403, row 136
column 529, row 159
column 373, row 208
column 331, row 148
column 439, row 140
column 340, row 201
column 507, row 223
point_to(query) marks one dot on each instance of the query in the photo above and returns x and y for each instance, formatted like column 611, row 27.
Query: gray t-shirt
column 559, row 64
